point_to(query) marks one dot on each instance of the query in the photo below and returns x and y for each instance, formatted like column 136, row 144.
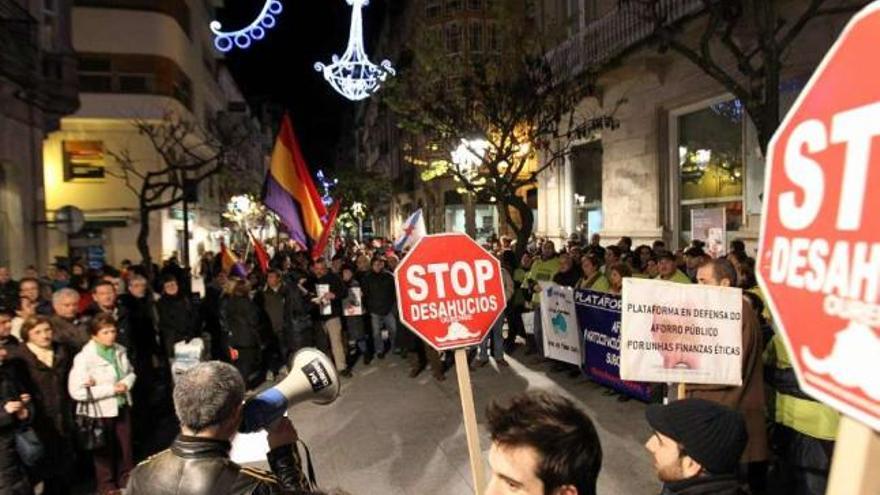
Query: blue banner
column 598, row 316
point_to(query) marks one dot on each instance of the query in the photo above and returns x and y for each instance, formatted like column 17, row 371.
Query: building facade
column 685, row 149
column 462, row 28
column 38, row 86
column 137, row 59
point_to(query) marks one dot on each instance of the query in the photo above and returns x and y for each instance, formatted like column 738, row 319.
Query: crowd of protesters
column 100, row 342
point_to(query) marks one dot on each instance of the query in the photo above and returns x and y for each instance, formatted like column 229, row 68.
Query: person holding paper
column 749, row 397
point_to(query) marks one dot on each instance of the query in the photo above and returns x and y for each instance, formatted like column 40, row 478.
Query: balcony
column 618, row 32
column 19, row 48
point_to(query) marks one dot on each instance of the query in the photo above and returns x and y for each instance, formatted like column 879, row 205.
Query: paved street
column 390, row 434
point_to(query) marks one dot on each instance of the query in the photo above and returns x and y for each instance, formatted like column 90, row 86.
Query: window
column 176, row 9
column 453, row 38
column 136, row 83
column 708, row 165
column 95, row 74
column 133, row 74
column 454, row 6
column 83, row 160
column 433, row 8
column 586, row 168
column 475, row 4
column 475, row 37
column 492, row 34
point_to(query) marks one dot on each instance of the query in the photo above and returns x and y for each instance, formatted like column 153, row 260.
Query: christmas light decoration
column 353, row 75
column 255, row 31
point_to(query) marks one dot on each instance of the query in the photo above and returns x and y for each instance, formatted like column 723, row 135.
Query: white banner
column 681, row 333
column 352, row 305
column 562, row 335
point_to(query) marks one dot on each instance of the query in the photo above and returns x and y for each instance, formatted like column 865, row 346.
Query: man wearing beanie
column 697, row 445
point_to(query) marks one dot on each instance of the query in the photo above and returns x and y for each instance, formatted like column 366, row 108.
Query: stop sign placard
column 819, row 259
column 449, row 291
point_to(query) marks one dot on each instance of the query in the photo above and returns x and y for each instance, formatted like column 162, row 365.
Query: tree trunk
column 143, row 244
column 527, row 222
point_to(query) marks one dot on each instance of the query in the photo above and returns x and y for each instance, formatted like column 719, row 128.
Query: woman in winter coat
column 47, row 364
column 240, row 318
column 16, row 410
column 101, row 378
column 177, row 317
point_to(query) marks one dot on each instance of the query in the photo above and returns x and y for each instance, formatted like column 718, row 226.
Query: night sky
column 280, row 68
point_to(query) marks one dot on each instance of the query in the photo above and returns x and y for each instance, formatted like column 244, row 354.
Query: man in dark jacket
column 8, row 290
column 696, row 447
column 208, row 400
column 287, row 312
column 178, row 319
column 328, row 291
column 67, row 328
column 104, row 297
column 380, row 299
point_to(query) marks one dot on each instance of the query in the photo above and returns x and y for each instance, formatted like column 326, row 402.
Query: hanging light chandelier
column 353, row 75
column 255, row 31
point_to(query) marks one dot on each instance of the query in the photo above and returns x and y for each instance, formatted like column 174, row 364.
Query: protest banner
column 562, row 335
column 598, row 316
column 681, row 333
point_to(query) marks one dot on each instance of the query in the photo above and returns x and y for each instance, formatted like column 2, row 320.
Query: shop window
column 709, row 163
column 586, row 167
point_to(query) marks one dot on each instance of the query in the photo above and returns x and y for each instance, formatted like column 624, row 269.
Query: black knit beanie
column 711, row 434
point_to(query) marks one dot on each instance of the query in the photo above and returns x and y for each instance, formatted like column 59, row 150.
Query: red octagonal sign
column 819, row 260
column 449, row 291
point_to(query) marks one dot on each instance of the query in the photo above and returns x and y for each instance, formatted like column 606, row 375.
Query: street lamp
column 358, row 209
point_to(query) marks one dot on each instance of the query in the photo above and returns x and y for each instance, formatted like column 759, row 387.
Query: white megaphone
column 312, row 377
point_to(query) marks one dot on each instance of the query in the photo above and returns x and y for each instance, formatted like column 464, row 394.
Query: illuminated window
column 83, row 160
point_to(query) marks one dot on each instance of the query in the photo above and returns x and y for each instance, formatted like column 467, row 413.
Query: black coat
column 53, row 421
column 380, row 295
column 9, row 296
column 706, row 485
column 241, row 321
column 336, row 287
column 13, row 480
column 178, row 320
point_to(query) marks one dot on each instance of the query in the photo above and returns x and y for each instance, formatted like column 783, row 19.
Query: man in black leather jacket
column 208, row 400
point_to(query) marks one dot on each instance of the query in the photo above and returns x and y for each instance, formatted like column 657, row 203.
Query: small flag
column 411, row 231
column 261, row 254
column 328, row 229
column 230, row 263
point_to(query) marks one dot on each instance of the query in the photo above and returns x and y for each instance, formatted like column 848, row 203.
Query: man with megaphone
column 209, row 401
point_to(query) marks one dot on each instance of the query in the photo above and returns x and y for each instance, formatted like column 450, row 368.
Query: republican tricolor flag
column 290, row 192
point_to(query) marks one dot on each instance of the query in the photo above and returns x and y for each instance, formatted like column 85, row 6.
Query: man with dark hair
column 328, row 291
column 29, row 287
column 737, row 246
column 749, row 397
column 542, row 444
column 696, row 447
column 694, row 257
column 380, row 298
column 104, row 297
column 625, row 243
column 208, row 400
column 8, row 290
column 668, row 270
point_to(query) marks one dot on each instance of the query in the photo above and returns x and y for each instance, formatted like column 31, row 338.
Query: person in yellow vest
column 543, row 269
column 593, row 278
column 669, row 270
column 804, row 430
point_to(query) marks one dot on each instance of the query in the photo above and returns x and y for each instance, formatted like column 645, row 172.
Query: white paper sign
column 681, row 333
column 562, row 335
column 351, row 305
column 321, row 290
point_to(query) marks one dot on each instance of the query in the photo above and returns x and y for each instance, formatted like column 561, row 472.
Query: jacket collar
column 710, row 484
column 196, row 447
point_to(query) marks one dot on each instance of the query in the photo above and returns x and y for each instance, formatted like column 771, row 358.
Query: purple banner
column 598, row 316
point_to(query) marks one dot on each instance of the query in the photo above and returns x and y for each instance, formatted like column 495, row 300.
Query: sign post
column 819, row 258
column 450, row 293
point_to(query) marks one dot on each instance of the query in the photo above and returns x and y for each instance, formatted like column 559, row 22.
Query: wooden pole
column 682, row 391
column 470, row 419
column 856, row 457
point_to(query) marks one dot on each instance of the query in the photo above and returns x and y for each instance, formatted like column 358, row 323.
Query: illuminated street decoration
column 327, row 184
column 353, row 75
column 255, row 31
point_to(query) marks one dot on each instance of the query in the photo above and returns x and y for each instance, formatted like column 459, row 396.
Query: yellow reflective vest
column 793, row 409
